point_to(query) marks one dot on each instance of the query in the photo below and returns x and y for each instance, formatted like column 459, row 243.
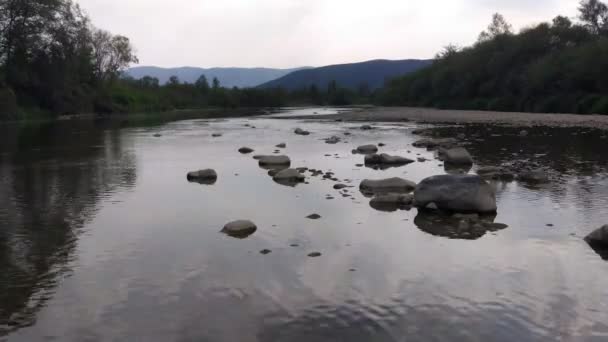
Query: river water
column 102, row 238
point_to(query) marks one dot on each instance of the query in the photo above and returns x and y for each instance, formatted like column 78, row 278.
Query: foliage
column 552, row 67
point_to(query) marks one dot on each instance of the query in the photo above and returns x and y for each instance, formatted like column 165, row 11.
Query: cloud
column 287, row 33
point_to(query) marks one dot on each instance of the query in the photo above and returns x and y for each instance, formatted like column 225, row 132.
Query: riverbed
column 104, row 239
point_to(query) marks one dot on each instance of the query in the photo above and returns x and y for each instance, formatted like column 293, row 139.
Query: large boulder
column 207, row 176
column 456, row 193
column 274, row 161
column 367, row 149
column 385, row 159
column 289, row 177
column 240, row 229
column 456, row 156
column 387, row 186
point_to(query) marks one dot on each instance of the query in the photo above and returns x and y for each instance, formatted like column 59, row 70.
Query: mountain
column 371, row 73
column 229, row 77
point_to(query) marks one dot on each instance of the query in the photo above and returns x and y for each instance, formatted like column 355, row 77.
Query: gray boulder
column 274, row 161
column 456, row 193
column 386, row 186
column 202, row 176
column 385, row 159
column 240, row 229
column 599, row 236
column 289, row 176
column 245, row 150
column 300, row 131
column 367, row 149
column 456, row 156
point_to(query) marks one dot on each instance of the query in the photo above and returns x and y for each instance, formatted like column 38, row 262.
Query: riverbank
column 429, row 115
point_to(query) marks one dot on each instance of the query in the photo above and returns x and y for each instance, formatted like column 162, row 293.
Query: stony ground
column 429, row 115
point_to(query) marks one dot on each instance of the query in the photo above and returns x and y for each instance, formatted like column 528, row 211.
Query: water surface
column 103, row 239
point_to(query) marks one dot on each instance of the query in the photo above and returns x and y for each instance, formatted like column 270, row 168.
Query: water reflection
column 52, row 177
column 467, row 227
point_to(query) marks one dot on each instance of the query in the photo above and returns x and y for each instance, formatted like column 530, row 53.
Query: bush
column 601, row 106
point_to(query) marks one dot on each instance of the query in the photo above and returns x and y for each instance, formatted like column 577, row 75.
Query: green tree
column 594, row 15
column 498, row 27
column 216, row 83
column 202, row 84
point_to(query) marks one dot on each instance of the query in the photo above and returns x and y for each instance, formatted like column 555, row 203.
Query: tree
column 111, row 54
column 594, row 15
column 202, row 84
column 447, row 52
column 216, row 83
column 498, row 27
column 174, row 81
column 562, row 23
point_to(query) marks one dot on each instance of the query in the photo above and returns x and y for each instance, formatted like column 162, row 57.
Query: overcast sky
column 290, row 33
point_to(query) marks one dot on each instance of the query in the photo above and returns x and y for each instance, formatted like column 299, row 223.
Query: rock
column 385, row 159
column 534, row 176
column 340, row 186
column 456, row 193
column 386, row 186
column 158, row 135
column 313, row 217
column 274, row 161
column 392, row 202
column 347, row 133
column 421, row 159
column 461, row 136
column 216, row 135
column 282, row 145
column 367, row 149
column 245, row 150
column 435, row 143
column 273, row 172
column 332, row 140
column 598, row 241
column 366, row 127
column 265, row 251
column 496, row 173
column 381, row 144
column 302, row 169
column 300, row 131
column 240, row 229
column 314, row 254
column 523, row 133
column 456, row 156
column 202, row 176
column 289, row 176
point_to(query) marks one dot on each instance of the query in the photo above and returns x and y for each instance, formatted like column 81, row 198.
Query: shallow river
column 102, row 238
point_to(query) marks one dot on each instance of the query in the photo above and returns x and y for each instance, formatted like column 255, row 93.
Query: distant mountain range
column 229, row 77
column 371, row 73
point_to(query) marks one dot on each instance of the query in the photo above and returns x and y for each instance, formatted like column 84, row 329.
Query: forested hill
column 228, row 77
column 371, row 74
column 561, row 66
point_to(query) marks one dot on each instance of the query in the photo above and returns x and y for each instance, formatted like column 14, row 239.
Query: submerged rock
column 158, row 135
column 289, row 177
column 366, row 127
column 245, row 150
column 332, row 140
column 456, row 193
column 534, row 176
column 240, row 229
column 496, row 173
column 385, row 159
column 313, row 217
column 282, row 145
column 314, row 254
column 392, row 202
column 435, row 143
column 207, row 176
column 386, row 186
column 216, row 135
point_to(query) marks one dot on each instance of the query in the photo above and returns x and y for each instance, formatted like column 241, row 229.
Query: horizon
column 312, row 33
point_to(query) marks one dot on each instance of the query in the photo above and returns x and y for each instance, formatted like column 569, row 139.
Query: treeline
column 560, row 66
